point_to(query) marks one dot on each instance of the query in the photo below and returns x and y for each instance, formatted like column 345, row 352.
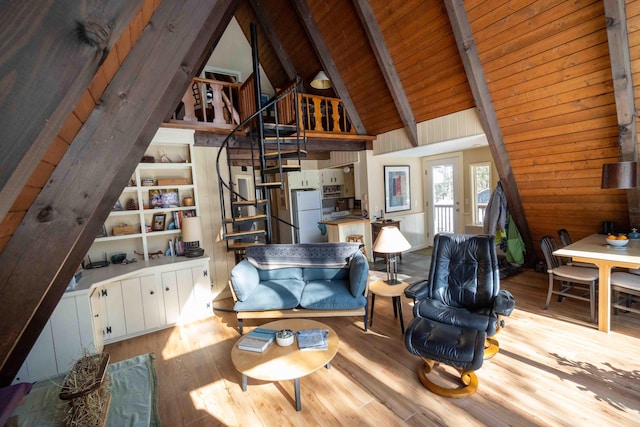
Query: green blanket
column 134, row 397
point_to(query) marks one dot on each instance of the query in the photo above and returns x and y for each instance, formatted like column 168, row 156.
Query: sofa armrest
column 244, row 279
column 358, row 274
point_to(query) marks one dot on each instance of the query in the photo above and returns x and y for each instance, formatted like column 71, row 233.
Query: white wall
column 233, row 52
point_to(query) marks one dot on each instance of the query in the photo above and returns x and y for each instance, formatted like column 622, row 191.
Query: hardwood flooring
column 553, row 369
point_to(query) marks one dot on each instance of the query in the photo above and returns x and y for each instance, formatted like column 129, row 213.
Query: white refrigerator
column 306, row 207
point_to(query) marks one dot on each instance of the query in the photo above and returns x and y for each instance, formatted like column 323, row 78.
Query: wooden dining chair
column 572, row 279
column 565, row 240
column 626, row 291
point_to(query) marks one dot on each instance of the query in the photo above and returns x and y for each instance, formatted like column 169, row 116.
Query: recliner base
column 491, row 347
column 468, row 379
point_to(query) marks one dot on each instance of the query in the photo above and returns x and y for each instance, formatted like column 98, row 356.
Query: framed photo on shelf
column 166, row 198
column 158, row 222
column 397, row 192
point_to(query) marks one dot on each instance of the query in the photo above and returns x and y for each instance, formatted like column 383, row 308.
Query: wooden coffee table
column 278, row 363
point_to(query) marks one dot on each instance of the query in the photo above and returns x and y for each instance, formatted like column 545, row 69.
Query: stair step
column 285, row 169
column 240, row 234
column 245, row 219
column 249, row 202
column 285, row 154
column 282, row 139
column 275, row 184
column 270, row 129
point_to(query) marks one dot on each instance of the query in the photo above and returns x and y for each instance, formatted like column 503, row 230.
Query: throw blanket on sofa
column 320, row 255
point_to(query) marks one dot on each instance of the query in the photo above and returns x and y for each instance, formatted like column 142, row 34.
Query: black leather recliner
column 458, row 309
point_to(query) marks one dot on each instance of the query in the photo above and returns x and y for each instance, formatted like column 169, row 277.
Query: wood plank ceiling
column 548, row 74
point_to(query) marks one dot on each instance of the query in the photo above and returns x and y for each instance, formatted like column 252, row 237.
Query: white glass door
column 443, row 189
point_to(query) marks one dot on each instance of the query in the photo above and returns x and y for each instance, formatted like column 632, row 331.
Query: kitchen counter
column 344, row 221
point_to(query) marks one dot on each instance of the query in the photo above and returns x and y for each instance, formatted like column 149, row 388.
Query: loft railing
column 229, row 104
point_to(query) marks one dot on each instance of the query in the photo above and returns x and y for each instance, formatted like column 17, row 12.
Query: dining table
column 595, row 250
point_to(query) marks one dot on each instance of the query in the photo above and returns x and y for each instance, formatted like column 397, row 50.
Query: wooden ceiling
column 546, row 69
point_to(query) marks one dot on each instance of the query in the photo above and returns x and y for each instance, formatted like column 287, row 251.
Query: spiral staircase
column 277, row 146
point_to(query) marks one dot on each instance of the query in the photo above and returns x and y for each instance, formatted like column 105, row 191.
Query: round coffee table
column 278, row 363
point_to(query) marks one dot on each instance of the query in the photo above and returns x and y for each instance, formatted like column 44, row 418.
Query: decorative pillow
column 358, row 274
column 244, row 279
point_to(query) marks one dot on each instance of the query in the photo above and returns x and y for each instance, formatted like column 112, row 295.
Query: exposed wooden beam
column 618, row 39
column 81, row 191
column 484, row 104
column 385, row 62
column 259, row 9
column 322, row 50
column 46, row 67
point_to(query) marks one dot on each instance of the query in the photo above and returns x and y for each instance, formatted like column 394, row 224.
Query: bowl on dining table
column 618, row 243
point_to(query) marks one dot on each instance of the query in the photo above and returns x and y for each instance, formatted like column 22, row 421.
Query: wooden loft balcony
column 323, row 119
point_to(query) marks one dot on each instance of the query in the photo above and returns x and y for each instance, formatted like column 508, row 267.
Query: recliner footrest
column 452, row 345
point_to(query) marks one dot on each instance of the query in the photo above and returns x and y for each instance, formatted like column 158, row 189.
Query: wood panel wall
column 423, row 48
column 548, row 70
column 89, row 100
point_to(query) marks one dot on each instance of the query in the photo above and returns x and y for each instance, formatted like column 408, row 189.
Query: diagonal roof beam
column 475, row 75
column 322, row 50
column 618, row 38
column 267, row 26
column 39, row 90
column 385, row 62
column 98, row 164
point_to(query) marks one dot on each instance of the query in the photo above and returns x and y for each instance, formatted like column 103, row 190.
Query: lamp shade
column 321, row 81
column 620, row 175
column 191, row 229
column 390, row 241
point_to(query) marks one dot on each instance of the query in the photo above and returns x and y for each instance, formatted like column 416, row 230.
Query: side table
column 380, row 287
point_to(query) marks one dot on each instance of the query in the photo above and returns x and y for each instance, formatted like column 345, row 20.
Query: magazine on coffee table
column 313, row 339
column 257, row 340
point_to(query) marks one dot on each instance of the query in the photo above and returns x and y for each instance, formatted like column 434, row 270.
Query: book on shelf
column 313, row 339
column 257, row 340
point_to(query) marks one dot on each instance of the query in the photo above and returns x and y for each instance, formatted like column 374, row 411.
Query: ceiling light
column 321, row 81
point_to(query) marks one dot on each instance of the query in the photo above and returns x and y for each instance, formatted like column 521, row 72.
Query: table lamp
column 192, row 236
column 391, row 242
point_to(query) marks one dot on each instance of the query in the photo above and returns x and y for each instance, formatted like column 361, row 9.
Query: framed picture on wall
column 397, row 192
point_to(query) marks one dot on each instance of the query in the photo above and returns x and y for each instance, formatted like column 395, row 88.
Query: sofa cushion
column 358, row 274
column 330, row 295
column 325, row 274
column 273, row 295
column 281, row 274
column 244, row 279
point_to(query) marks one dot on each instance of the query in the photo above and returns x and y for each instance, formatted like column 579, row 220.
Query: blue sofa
column 304, row 280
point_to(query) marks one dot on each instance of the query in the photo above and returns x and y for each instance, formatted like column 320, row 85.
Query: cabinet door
column 97, row 320
column 41, row 361
column 296, row 180
column 311, row 179
column 132, row 302
column 112, row 306
column 338, row 176
column 65, row 331
column 202, row 290
column 152, row 302
column 188, row 309
column 170, row 296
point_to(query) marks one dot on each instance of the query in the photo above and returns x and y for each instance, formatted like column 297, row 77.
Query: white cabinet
column 332, row 177
column 132, row 303
column 152, row 302
column 187, row 294
column 163, row 186
column 304, row 179
column 112, row 311
column 63, row 340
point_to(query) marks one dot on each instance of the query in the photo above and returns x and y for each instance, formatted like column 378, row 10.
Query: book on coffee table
column 313, row 339
column 257, row 340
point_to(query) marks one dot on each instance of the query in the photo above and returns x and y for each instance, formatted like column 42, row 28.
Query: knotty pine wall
column 548, row 71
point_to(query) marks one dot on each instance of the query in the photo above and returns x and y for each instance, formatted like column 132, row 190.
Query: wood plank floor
column 553, row 369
